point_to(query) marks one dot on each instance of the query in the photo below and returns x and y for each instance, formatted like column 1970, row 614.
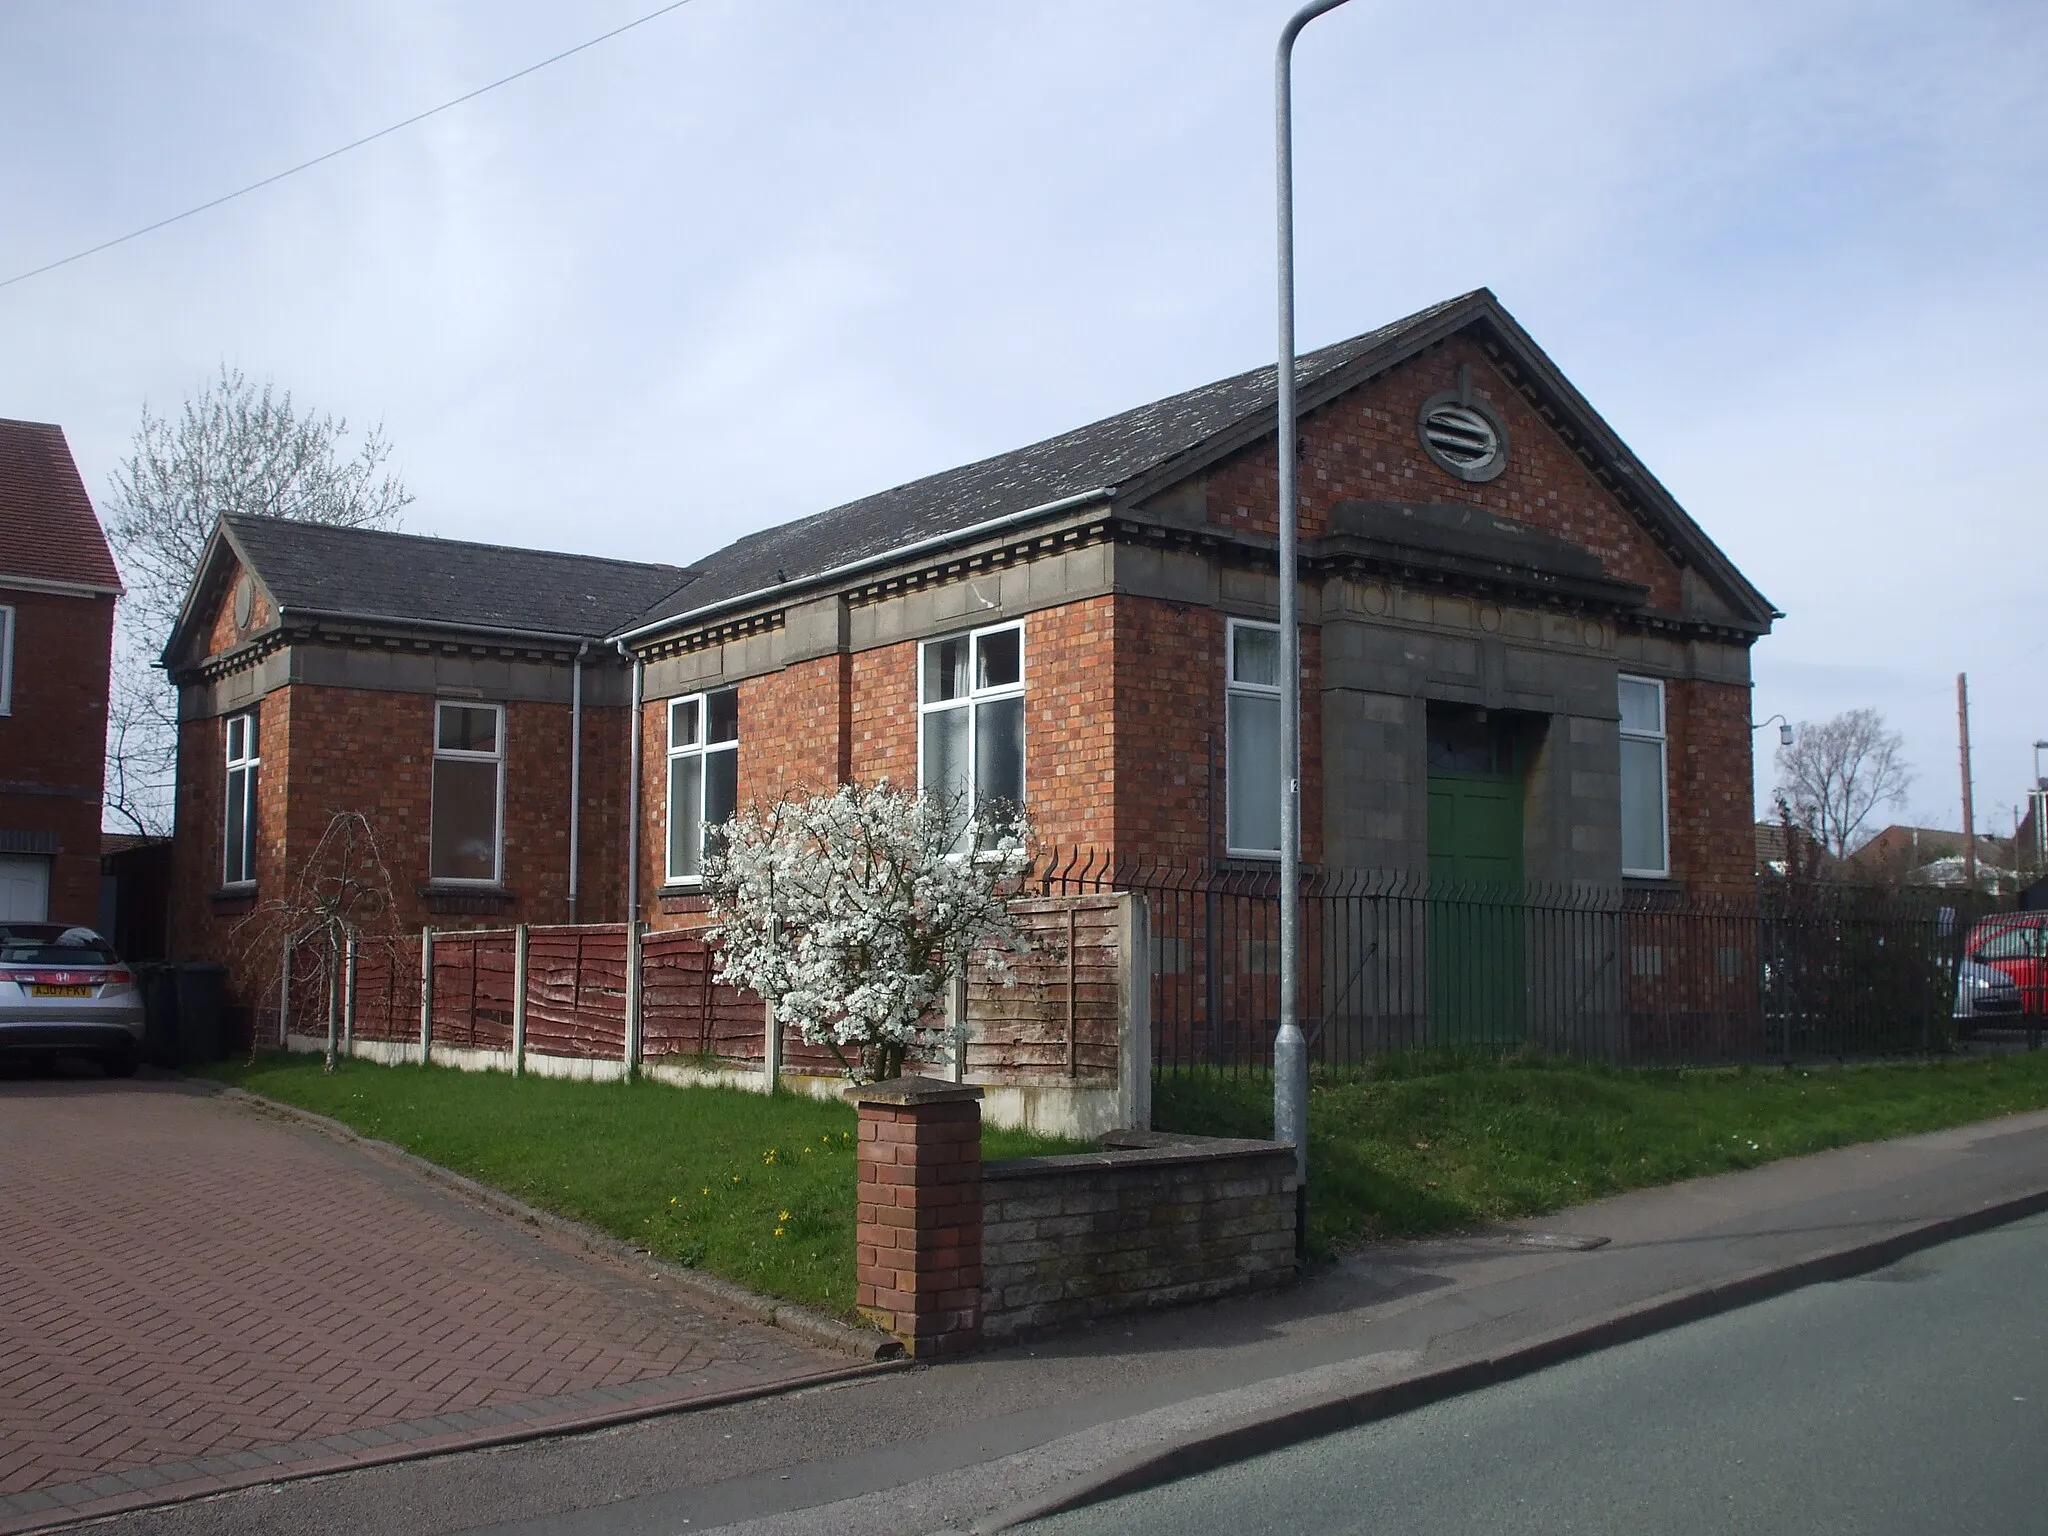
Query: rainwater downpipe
column 633, row 788
column 575, row 774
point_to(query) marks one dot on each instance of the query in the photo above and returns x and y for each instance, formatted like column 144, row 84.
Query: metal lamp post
column 1290, row 1046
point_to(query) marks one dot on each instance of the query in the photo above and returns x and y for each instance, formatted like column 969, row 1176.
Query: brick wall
column 53, row 742
column 1171, row 1220
column 1710, row 777
column 1363, row 446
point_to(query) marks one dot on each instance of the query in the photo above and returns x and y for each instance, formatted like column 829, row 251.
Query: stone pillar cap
column 911, row 1092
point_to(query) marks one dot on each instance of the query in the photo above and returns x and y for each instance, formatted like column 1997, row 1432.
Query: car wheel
column 119, row 1063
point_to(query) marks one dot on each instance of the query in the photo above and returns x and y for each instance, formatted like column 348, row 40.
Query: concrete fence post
column 918, row 1222
column 348, row 1000
column 771, row 1048
column 956, row 1022
column 634, row 997
column 1133, row 1012
column 519, row 1000
column 426, row 996
column 333, row 969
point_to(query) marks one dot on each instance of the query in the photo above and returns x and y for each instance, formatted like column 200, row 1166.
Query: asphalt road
column 1912, row 1400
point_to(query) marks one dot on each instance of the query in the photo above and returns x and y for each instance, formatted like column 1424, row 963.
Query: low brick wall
column 1152, row 1220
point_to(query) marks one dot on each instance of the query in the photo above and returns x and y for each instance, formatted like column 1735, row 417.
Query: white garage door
column 24, row 888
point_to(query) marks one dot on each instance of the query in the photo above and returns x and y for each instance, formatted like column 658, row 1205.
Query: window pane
column 722, row 711
column 945, row 757
column 682, row 723
column 237, row 730
column 1254, row 772
column 999, row 757
column 685, row 816
column 235, row 864
column 465, row 840
column 721, row 786
column 945, row 670
column 1642, row 707
column 1256, row 659
column 1642, row 805
column 251, row 747
column 1000, row 659
column 468, row 728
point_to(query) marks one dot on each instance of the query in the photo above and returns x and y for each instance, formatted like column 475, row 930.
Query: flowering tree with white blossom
column 851, row 913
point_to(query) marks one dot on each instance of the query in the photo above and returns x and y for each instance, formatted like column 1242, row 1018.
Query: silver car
column 64, row 992
column 1983, row 993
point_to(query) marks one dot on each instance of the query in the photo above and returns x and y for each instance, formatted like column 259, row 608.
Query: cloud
column 757, row 258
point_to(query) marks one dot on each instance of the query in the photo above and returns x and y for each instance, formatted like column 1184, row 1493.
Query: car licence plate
column 44, row 991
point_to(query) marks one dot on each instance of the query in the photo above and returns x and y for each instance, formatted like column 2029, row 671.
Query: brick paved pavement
column 190, row 1289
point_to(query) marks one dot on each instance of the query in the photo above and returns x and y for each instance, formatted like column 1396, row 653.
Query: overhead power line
column 368, row 138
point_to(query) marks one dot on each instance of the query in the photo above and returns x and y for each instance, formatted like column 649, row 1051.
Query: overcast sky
column 762, row 256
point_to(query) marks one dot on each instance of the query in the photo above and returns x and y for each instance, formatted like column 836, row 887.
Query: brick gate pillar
column 919, row 1223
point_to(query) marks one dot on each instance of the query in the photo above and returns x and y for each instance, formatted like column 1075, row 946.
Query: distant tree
column 235, row 448
column 1838, row 772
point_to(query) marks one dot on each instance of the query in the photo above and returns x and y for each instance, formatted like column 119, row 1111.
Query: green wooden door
column 1476, row 964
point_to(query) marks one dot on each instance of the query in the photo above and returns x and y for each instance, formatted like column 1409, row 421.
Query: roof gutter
column 60, row 588
column 869, row 562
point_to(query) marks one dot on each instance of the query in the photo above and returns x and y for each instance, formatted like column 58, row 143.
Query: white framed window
column 1251, row 723
column 244, row 763
column 466, row 846
column 1645, row 822
column 703, row 776
column 6, row 660
column 970, row 740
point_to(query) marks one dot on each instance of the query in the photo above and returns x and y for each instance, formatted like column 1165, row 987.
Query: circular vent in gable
column 1463, row 437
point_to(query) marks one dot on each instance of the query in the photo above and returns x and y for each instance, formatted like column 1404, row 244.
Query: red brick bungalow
column 57, row 589
column 1524, row 663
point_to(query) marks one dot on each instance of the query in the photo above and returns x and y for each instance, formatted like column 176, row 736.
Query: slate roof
column 366, row 573
column 1108, row 453
column 48, row 531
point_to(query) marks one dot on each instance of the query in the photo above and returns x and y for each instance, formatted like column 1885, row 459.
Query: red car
column 2016, row 945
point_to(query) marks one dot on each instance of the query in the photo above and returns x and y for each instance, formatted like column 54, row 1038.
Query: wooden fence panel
column 576, row 991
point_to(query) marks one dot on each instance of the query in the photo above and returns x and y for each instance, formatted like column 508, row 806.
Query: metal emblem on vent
column 1461, row 435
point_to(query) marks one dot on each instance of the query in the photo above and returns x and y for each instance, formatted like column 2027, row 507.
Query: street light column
column 1290, row 1046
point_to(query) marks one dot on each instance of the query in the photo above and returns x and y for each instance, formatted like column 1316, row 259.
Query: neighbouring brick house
column 58, row 583
column 437, row 687
column 1523, row 662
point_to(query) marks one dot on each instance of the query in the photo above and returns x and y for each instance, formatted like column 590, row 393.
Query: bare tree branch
column 236, row 448
column 1838, row 772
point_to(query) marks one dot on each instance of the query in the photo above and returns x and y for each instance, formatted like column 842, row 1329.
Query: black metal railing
column 1395, row 961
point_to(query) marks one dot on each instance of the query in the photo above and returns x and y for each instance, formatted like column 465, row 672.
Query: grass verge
column 757, row 1189
column 1425, row 1143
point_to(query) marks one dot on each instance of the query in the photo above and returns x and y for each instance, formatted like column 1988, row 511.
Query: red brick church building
column 1523, row 662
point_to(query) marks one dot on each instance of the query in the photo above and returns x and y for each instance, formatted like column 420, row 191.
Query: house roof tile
column 1105, row 454
column 48, row 531
column 365, row 573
